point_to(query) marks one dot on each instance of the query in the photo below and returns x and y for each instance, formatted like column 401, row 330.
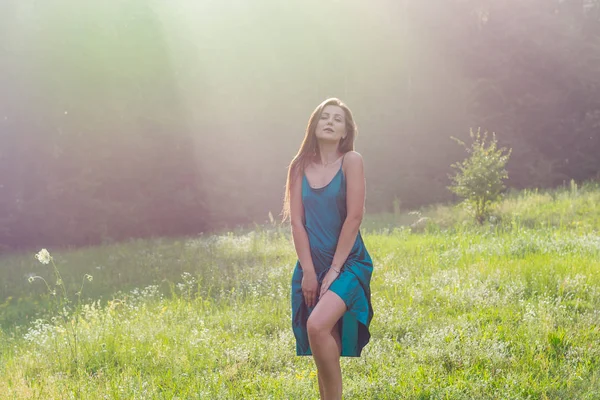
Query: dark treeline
column 135, row 118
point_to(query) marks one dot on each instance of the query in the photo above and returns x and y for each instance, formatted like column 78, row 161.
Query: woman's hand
column 309, row 288
column 331, row 276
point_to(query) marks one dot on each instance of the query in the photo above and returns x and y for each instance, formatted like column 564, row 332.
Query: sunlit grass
column 509, row 310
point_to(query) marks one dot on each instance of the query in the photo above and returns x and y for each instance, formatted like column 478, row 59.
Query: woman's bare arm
column 301, row 243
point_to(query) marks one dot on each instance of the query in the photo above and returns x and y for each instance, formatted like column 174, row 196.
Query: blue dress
column 325, row 213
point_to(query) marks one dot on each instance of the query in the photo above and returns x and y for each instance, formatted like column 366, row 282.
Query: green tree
column 480, row 177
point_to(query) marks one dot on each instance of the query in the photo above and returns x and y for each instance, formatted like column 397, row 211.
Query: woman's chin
column 330, row 138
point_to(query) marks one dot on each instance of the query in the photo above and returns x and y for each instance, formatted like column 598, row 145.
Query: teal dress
column 325, row 213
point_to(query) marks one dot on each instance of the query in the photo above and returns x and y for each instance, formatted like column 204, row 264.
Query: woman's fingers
column 309, row 297
column 329, row 278
column 324, row 287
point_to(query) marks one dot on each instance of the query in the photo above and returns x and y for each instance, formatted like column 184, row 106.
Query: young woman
column 325, row 197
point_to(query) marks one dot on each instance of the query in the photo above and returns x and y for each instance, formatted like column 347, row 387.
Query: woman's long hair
column 309, row 149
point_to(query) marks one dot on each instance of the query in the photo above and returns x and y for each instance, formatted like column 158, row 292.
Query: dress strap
column 342, row 164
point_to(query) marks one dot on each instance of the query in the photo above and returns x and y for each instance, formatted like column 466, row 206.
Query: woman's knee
column 315, row 328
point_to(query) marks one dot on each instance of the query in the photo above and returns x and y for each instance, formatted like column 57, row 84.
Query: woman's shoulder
column 353, row 158
column 353, row 164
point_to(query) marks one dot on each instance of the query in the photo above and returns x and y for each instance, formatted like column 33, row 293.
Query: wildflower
column 43, row 256
column 89, row 277
column 31, row 279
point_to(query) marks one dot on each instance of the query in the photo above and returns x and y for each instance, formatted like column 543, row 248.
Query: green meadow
column 506, row 310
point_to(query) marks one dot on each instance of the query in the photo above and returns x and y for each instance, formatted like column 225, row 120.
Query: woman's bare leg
column 325, row 344
column 336, row 335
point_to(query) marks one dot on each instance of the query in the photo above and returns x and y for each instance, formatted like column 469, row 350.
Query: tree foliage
column 479, row 179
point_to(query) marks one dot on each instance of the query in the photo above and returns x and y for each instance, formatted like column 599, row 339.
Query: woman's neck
column 329, row 153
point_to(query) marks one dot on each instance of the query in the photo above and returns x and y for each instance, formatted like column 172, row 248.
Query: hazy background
column 133, row 118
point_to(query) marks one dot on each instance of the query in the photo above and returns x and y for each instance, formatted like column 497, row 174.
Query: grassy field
column 509, row 310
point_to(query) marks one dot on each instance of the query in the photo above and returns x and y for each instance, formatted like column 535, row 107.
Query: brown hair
column 309, row 149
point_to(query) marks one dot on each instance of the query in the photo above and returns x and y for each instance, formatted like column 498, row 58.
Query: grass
column 510, row 310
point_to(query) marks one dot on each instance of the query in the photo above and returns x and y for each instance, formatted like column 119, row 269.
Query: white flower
column 43, row 256
column 89, row 277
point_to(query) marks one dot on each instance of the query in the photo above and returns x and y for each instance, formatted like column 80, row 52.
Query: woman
column 325, row 196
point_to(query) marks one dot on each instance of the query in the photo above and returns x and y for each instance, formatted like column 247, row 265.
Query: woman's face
column 331, row 126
